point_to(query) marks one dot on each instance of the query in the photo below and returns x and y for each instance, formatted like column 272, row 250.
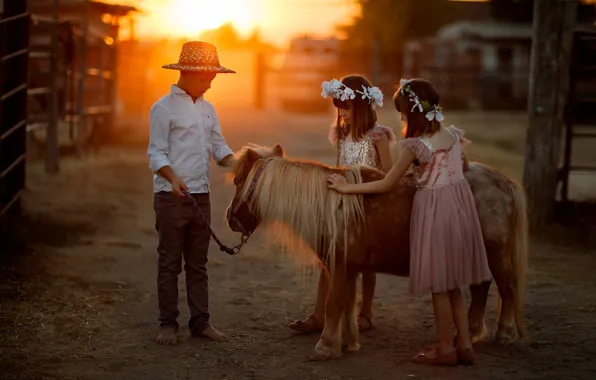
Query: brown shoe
column 466, row 356
column 432, row 357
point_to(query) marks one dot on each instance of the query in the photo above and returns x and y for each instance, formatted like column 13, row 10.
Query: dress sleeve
column 380, row 131
column 418, row 146
column 460, row 134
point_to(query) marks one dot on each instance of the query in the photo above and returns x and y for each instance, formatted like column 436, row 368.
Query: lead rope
column 230, row 251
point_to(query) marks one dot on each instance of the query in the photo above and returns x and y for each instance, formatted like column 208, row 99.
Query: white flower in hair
column 417, row 104
column 376, row 96
column 404, row 82
column 331, row 88
column 435, row 113
column 364, row 92
column 346, row 93
column 373, row 94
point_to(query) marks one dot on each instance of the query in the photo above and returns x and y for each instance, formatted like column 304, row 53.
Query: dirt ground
column 79, row 301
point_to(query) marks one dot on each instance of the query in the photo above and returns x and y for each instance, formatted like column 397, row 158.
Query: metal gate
column 580, row 119
column 14, row 55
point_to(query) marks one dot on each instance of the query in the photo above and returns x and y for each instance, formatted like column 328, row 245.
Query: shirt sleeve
column 158, row 149
column 419, row 147
column 219, row 148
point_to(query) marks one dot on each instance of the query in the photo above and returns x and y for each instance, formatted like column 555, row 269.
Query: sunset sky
column 278, row 20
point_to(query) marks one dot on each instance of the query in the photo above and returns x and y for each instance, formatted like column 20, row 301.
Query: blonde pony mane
column 292, row 197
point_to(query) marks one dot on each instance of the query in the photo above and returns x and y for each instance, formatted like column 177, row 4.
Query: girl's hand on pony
column 337, row 182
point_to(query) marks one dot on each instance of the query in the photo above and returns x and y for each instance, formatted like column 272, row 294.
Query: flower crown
column 338, row 90
column 434, row 111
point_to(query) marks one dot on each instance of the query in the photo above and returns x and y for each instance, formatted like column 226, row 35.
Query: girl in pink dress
column 446, row 245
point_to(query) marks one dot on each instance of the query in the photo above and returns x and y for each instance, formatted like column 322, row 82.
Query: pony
column 351, row 234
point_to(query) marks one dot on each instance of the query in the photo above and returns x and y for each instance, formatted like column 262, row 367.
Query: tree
column 224, row 37
column 512, row 10
column 395, row 22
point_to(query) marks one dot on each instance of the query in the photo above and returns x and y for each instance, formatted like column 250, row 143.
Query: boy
column 185, row 133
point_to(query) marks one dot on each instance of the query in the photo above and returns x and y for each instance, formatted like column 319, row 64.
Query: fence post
column 260, row 68
column 552, row 36
column 80, row 129
column 376, row 64
column 52, row 140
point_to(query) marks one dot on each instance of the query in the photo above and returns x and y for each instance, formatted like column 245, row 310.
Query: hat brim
column 206, row 69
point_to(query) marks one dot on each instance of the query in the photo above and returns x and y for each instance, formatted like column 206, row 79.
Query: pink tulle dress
column 446, row 245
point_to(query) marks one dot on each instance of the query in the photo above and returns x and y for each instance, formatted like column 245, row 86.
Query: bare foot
column 309, row 325
column 216, row 336
column 167, row 337
column 364, row 323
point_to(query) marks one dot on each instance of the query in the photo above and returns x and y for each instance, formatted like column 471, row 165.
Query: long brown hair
column 364, row 117
column 417, row 124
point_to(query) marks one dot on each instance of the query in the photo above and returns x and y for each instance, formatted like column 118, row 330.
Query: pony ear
column 252, row 157
column 278, row 150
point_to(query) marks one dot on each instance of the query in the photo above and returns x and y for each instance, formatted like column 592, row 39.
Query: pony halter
column 433, row 112
column 338, row 90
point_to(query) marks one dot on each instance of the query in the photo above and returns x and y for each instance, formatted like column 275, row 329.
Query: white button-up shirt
column 184, row 135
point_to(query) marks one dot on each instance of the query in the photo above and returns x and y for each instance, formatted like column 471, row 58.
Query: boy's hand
column 228, row 161
column 177, row 186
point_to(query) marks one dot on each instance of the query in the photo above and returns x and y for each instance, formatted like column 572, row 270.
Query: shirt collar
column 175, row 90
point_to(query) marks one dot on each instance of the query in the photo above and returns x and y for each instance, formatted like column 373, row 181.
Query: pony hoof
column 323, row 353
column 506, row 336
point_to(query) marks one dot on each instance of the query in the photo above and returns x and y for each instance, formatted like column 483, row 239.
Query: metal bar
column 13, row 165
column 579, row 99
column 100, row 75
column 52, row 147
column 15, row 17
column 94, row 32
column 81, row 87
column 585, row 68
column 114, row 85
column 15, row 54
column 39, row 91
column 568, row 122
column 583, row 168
column 94, row 110
column 36, row 126
column 13, row 91
column 13, row 129
column 14, row 199
column 107, row 74
column 587, row 135
column 39, row 54
column 38, row 18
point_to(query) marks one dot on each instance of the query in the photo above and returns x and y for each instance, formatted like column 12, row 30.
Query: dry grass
column 47, row 319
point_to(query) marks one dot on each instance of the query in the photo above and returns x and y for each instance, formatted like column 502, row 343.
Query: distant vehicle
column 308, row 62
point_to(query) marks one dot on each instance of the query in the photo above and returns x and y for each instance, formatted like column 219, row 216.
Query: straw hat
column 198, row 56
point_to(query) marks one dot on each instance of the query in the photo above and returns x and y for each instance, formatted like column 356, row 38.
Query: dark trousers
column 182, row 233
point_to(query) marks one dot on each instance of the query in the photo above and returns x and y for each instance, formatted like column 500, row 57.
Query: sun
column 189, row 17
